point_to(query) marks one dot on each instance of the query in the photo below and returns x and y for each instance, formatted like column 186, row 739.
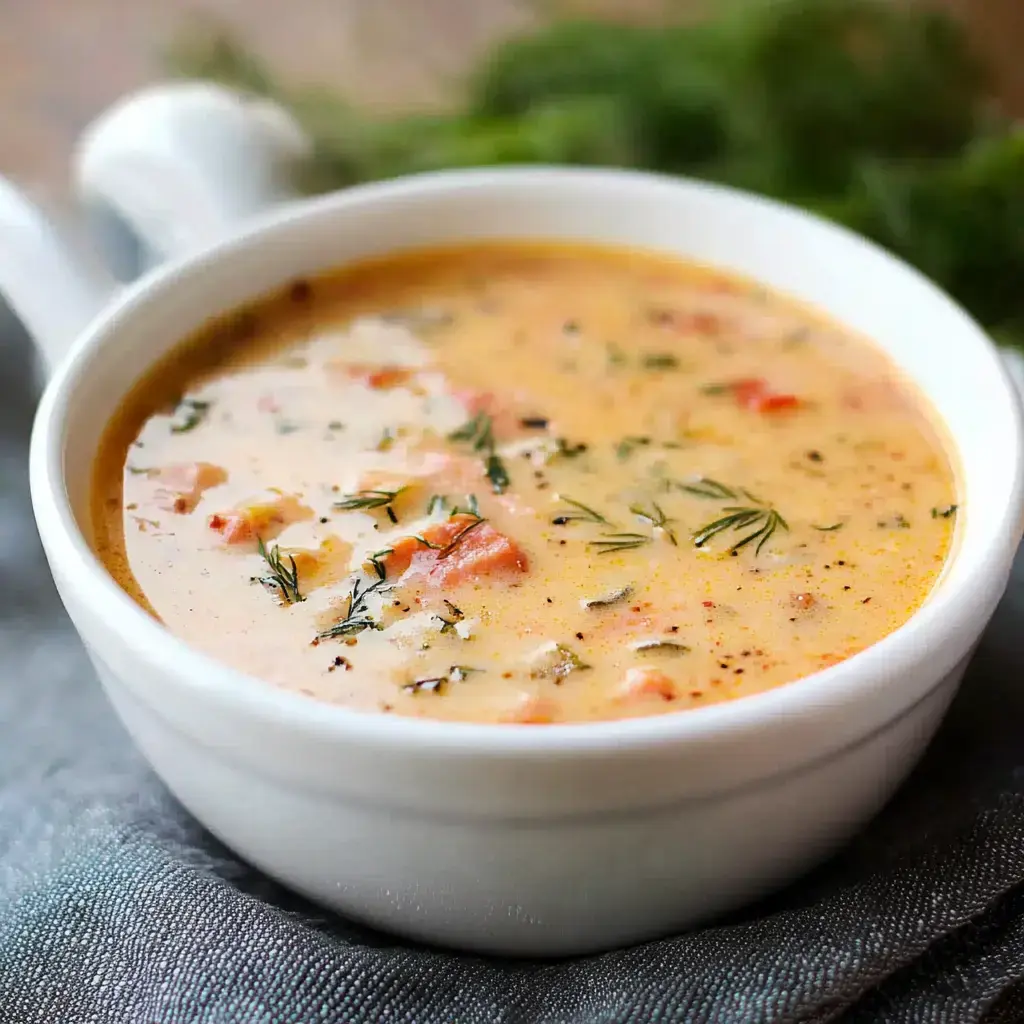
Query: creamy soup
column 526, row 484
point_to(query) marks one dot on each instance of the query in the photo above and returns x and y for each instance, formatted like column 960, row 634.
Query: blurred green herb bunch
column 875, row 114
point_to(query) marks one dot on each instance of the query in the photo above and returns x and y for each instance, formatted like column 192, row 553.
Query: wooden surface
column 62, row 61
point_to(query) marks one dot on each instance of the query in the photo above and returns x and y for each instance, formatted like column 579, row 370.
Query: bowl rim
column 948, row 611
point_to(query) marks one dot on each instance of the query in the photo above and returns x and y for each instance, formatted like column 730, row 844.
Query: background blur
column 61, row 61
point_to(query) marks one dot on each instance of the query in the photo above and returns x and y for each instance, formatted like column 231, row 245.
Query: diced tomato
column 182, row 485
column 646, row 682
column 459, row 549
column 754, row 393
column 380, row 378
column 261, row 519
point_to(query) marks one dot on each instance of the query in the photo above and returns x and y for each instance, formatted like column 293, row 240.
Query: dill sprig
column 763, row 521
column 367, row 499
column 444, row 550
column 357, row 615
column 284, row 577
column 479, row 432
column 657, row 518
column 614, row 542
column 579, row 513
column 705, row 487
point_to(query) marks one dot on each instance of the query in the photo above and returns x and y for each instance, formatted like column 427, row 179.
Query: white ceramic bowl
column 549, row 840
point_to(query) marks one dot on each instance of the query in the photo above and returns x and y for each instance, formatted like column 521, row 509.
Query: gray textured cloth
column 116, row 907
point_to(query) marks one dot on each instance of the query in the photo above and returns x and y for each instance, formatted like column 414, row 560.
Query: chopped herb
column 765, row 522
column 494, row 470
column 615, row 542
column 457, row 615
column 367, row 499
column 944, row 512
column 705, row 487
column 335, row 425
column 815, row 456
column 716, row 389
column 615, row 597
column 138, row 471
column 579, row 513
column 284, row 427
column 479, row 432
column 828, row 529
column 436, row 502
column 568, row 451
column 357, row 615
column 616, row 357
column 285, row 578
column 571, row 327
column 626, row 446
column 660, row 361
column 391, row 514
column 189, row 413
column 896, row 522
column 657, row 518
column 556, row 662
column 437, row 684
column 660, row 647
column 387, row 440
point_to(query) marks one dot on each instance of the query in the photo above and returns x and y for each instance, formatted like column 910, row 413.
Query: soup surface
column 526, row 483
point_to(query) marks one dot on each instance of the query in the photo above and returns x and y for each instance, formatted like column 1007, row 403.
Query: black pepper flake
column 300, row 291
column 738, row 671
column 579, row 636
column 846, row 588
column 324, row 519
column 865, row 601
column 571, row 327
column 560, row 521
column 815, row 456
column 391, row 515
column 550, row 601
column 840, row 562
column 563, row 543
column 534, row 423
column 673, row 629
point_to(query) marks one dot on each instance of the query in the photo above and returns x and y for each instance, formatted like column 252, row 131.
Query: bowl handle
column 164, row 172
column 175, row 167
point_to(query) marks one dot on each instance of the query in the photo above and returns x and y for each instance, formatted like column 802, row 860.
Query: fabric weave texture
column 117, row 908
